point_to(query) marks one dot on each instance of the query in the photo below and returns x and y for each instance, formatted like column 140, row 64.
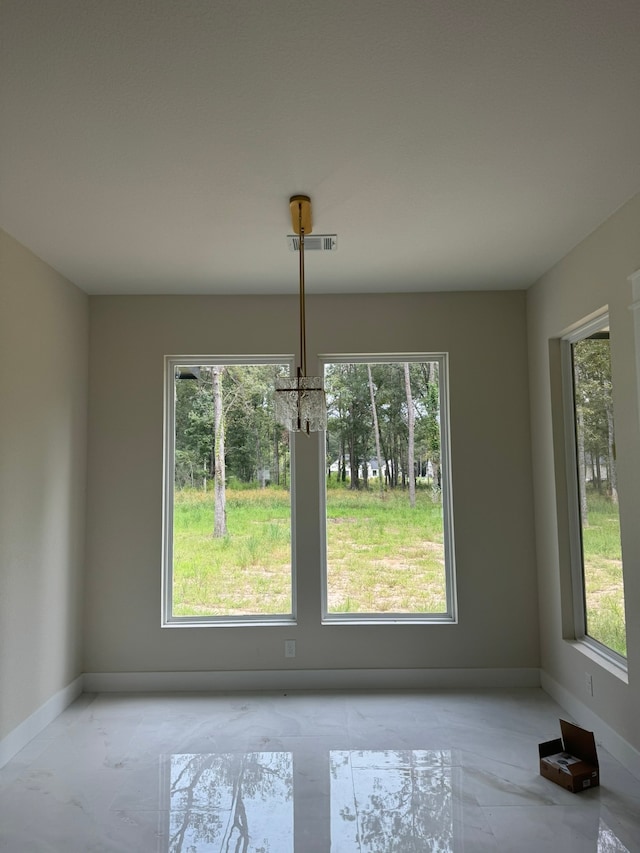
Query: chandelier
column 300, row 404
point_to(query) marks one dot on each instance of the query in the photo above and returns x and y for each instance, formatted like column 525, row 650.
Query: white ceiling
column 151, row 146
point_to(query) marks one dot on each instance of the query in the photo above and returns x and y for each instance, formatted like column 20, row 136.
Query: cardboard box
column 572, row 760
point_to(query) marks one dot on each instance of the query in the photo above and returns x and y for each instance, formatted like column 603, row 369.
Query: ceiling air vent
column 314, row 242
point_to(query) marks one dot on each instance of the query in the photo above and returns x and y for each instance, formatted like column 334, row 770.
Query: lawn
column 382, row 556
column 604, row 590
column 246, row 572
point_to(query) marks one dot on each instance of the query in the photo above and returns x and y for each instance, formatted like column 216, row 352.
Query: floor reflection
column 231, row 802
column 386, row 801
column 608, row 841
column 379, row 801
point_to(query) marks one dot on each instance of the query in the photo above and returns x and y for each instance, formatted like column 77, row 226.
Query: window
column 596, row 550
column 227, row 503
column 389, row 551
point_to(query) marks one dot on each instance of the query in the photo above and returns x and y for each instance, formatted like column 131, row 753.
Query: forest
column 383, row 412
column 593, row 394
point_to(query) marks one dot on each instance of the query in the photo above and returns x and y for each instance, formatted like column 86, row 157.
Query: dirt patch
column 345, row 520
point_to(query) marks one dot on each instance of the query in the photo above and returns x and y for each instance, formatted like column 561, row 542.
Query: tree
column 390, row 408
column 376, row 428
column 255, row 448
column 594, row 415
column 220, row 511
column 582, row 466
column 193, row 427
column 410, row 441
column 349, row 417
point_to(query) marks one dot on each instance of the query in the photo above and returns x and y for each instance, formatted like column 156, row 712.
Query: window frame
column 581, row 332
column 168, row 620
column 450, row 615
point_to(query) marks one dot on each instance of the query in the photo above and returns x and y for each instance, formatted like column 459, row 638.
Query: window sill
column 616, row 668
column 369, row 619
column 278, row 622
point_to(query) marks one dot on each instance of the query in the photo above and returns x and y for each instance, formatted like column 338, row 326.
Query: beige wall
column 592, row 276
column 43, row 403
column 485, row 334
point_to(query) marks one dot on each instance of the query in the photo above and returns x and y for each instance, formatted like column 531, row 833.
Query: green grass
column 604, row 590
column 246, row 572
column 383, row 556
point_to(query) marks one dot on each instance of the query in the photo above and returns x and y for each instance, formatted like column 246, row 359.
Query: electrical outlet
column 289, row 648
column 589, row 683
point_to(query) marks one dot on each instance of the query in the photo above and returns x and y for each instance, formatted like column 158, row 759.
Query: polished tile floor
column 362, row 772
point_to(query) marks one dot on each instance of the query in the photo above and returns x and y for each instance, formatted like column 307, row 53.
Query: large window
column 227, row 516
column 596, row 550
column 389, row 553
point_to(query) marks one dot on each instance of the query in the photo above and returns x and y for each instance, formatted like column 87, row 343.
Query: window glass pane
column 598, row 493
column 231, row 515
column 385, row 477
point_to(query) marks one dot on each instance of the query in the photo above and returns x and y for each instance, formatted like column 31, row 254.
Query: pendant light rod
column 303, row 324
column 300, row 206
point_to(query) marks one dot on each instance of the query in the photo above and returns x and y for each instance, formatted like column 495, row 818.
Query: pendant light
column 300, row 404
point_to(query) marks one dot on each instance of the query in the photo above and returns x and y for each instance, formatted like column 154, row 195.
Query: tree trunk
column 376, row 430
column 276, row 458
column 582, row 474
column 411, row 419
column 353, row 463
column 611, row 446
column 220, row 514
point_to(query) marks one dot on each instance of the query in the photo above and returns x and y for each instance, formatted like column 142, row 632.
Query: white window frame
column 579, row 333
column 168, row 619
column 450, row 616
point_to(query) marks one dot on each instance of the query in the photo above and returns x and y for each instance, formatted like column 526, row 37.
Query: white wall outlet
column 289, row 648
column 589, row 683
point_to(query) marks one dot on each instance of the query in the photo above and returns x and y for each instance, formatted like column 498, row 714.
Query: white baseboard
column 319, row 679
column 616, row 745
column 40, row 719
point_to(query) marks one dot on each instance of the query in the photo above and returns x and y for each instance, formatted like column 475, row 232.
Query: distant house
column 372, row 467
column 425, row 471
